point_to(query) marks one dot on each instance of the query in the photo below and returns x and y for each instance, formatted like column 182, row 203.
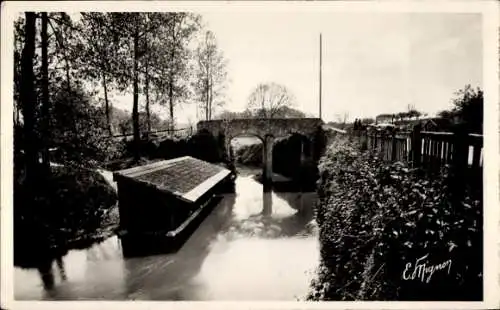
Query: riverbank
column 380, row 223
column 70, row 208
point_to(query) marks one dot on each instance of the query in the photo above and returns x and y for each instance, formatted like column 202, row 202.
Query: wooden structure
column 427, row 149
column 160, row 202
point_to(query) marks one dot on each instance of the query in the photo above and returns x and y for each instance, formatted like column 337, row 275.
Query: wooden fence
column 179, row 132
column 429, row 150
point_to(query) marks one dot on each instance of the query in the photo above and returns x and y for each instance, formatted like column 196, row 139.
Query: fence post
column 460, row 150
column 460, row 159
column 394, row 146
column 416, row 145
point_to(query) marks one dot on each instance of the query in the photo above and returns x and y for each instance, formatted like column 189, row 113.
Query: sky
column 373, row 63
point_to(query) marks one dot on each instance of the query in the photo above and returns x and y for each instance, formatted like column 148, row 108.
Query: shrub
column 203, row 145
column 249, row 154
column 170, row 148
column 79, row 132
column 71, row 204
column 376, row 217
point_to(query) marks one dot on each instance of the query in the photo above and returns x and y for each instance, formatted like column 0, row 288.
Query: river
column 252, row 246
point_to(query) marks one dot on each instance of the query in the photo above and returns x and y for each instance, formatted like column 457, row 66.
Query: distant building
column 430, row 125
column 384, row 118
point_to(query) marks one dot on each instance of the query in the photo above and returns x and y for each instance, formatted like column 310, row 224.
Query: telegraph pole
column 320, row 75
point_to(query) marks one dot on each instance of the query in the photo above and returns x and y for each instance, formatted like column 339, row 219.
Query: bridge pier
column 267, row 203
column 267, row 173
column 228, row 150
column 301, row 166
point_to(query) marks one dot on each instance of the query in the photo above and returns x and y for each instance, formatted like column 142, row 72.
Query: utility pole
column 320, row 75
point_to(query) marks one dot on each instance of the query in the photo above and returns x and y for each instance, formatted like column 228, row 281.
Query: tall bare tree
column 268, row 99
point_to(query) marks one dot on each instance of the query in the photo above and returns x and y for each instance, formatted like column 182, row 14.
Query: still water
column 253, row 246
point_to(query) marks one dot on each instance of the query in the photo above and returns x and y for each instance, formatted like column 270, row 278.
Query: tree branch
column 62, row 22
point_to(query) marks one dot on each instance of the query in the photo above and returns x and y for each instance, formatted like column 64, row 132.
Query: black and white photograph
column 217, row 152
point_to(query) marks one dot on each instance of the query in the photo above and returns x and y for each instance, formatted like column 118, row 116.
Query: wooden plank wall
column 429, row 150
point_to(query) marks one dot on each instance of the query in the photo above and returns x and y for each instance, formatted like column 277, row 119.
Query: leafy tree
column 467, row 109
column 65, row 49
column 142, row 53
column 171, row 66
column 123, row 122
column 228, row 115
column 210, row 74
column 446, row 114
column 128, row 31
column 55, row 68
column 282, row 112
column 79, row 129
column 133, row 25
column 268, row 99
column 414, row 114
column 98, row 54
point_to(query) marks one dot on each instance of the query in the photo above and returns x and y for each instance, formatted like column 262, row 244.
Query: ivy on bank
column 389, row 232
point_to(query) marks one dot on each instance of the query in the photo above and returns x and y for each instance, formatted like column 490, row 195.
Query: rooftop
column 186, row 177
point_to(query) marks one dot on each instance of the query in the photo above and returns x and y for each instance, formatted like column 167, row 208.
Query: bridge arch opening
column 268, row 131
column 292, row 155
column 246, row 150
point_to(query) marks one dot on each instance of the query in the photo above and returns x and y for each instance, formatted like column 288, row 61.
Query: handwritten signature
column 422, row 271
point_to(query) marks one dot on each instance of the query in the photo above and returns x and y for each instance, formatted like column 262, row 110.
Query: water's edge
column 252, row 246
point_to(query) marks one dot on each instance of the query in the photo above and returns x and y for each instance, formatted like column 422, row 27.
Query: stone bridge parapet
column 262, row 127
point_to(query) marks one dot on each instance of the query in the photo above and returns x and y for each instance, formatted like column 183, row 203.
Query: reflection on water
column 254, row 245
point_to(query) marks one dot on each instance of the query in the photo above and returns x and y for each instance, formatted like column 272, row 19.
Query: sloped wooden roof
column 186, row 177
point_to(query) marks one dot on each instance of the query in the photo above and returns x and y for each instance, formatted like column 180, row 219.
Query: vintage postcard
column 305, row 155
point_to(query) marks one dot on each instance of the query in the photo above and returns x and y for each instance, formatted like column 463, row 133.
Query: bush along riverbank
column 71, row 208
column 388, row 232
column 201, row 145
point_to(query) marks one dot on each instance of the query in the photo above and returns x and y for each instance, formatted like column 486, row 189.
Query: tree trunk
column 106, row 103
column 171, row 103
column 135, row 109
column 148, row 113
column 206, row 100
column 68, row 79
column 146, row 82
column 45, row 95
column 171, row 78
column 210, row 101
column 208, row 88
column 28, row 100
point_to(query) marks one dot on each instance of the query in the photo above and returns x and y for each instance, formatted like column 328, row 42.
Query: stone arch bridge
column 266, row 129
